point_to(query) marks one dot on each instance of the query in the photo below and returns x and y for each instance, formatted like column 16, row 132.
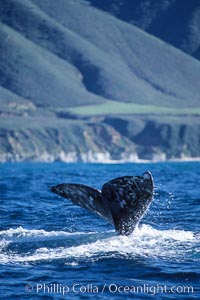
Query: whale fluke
column 122, row 201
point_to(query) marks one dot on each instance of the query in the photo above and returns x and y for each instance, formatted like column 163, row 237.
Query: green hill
column 71, row 75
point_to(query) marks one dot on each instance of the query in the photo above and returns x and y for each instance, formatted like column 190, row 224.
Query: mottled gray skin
column 122, row 202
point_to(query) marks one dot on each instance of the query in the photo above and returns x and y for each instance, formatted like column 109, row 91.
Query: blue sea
column 52, row 249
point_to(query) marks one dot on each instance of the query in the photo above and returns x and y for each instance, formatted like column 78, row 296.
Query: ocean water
column 52, row 249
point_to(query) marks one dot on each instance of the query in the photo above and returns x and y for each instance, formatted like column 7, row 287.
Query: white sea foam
column 22, row 235
column 144, row 242
column 20, row 232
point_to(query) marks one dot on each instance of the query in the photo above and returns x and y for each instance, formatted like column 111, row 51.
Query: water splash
column 146, row 241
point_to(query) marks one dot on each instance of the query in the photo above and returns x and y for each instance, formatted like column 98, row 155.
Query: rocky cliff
column 100, row 139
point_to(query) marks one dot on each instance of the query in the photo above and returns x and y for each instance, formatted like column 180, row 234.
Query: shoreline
column 92, row 157
column 111, row 161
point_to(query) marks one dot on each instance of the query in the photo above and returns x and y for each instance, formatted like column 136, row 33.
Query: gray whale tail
column 122, row 201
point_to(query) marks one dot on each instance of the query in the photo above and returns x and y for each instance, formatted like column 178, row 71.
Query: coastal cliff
column 105, row 139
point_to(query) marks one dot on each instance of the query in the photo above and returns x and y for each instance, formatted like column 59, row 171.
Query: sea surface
column 52, row 249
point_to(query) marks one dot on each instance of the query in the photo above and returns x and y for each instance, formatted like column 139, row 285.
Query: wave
column 34, row 246
column 21, row 234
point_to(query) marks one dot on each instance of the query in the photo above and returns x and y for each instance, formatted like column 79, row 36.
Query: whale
column 122, row 201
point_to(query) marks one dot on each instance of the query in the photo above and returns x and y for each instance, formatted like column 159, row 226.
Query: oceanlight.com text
column 111, row 288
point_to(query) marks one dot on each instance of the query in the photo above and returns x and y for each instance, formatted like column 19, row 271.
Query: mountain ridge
column 149, row 82
column 62, row 59
column 173, row 21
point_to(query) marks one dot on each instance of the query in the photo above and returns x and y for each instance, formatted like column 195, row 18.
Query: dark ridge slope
column 175, row 21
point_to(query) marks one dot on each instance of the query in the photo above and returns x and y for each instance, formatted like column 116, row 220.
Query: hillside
column 67, row 68
column 175, row 22
column 43, row 42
